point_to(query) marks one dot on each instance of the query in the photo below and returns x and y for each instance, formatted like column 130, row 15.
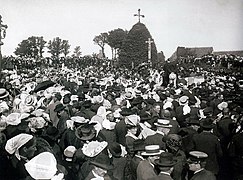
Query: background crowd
column 92, row 120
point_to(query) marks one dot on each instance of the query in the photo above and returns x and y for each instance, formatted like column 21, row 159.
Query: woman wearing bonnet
column 21, row 149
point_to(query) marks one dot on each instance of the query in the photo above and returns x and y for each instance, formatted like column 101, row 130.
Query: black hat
column 51, row 133
column 85, row 132
column 115, row 149
column 102, row 161
column 150, row 101
column 59, row 107
column 126, row 112
column 207, row 124
column 192, row 120
column 207, row 111
column 138, row 145
column 87, row 104
column 192, row 100
column 137, row 100
column 166, row 159
column 144, row 116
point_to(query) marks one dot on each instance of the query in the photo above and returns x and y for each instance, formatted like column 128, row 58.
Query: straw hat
column 3, row 93
column 183, row 100
column 152, row 150
column 163, row 123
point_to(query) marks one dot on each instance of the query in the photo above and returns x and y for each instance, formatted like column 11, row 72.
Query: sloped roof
column 195, row 51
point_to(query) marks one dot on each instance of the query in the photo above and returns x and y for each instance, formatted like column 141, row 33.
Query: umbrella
column 43, row 85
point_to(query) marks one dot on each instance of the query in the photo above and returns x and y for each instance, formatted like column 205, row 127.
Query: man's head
column 197, row 160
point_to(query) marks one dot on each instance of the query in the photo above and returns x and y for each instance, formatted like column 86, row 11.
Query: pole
column 149, row 49
column 2, row 36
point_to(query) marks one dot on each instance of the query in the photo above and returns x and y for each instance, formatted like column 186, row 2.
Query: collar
column 138, row 156
column 96, row 175
column 198, row 171
column 159, row 132
column 166, row 173
column 131, row 135
column 151, row 164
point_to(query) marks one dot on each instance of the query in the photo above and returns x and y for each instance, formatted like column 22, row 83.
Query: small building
column 197, row 52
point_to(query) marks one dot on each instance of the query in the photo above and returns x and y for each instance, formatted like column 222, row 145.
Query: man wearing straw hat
column 145, row 169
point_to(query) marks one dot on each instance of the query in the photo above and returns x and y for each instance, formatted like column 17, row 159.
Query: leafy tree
column 31, row 47
column 55, row 47
column 115, row 39
column 77, row 52
column 101, row 40
column 40, row 45
column 134, row 50
column 65, row 47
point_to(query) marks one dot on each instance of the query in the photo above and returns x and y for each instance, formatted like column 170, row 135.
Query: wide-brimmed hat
column 103, row 161
column 207, row 123
column 115, row 149
column 93, row 148
column 85, row 132
column 30, row 100
column 132, row 120
column 166, row 159
column 79, row 119
column 3, row 93
column 163, row 123
column 183, row 100
column 221, row 106
column 42, row 166
column 152, row 150
column 13, row 119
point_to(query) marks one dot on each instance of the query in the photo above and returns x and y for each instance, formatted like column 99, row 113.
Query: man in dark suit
column 207, row 142
column 163, row 128
column 197, row 162
column 145, row 169
column 165, row 165
column 121, row 128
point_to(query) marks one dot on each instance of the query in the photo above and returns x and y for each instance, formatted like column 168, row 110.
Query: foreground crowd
column 99, row 123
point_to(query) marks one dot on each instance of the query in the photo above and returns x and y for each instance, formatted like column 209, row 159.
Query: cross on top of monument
column 139, row 15
column 149, row 41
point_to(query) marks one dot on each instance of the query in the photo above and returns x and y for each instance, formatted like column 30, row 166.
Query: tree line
column 129, row 48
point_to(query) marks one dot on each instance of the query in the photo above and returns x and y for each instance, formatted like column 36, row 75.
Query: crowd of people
column 97, row 121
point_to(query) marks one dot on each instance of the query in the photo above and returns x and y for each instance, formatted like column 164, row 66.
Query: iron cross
column 139, row 15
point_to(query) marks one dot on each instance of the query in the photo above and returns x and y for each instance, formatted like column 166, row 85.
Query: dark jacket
column 203, row 175
column 210, row 144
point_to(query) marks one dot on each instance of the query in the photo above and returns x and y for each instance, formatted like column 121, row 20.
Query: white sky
column 172, row 23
